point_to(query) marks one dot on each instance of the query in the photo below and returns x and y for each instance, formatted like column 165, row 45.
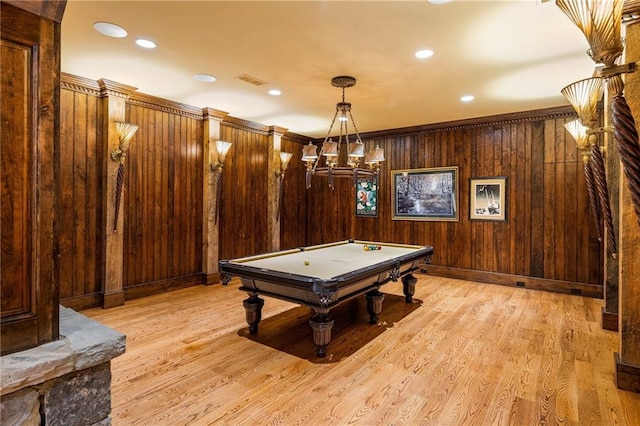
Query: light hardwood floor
column 462, row 354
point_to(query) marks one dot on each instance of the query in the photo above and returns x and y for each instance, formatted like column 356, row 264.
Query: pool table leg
column 374, row 305
column 253, row 310
column 321, row 323
column 409, row 287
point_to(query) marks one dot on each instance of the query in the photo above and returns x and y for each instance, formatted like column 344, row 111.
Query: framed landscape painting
column 367, row 197
column 425, row 194
column 487, row 198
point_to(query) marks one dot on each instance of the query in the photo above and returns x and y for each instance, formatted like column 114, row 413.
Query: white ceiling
column 511, row 55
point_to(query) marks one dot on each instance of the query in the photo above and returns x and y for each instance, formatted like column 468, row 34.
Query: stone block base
column 66, row 382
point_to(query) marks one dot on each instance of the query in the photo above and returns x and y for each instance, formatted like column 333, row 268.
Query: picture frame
column 366, row 197
column 425, row 194
column 488, row 198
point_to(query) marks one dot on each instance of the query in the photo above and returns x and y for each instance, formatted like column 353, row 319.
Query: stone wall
column 66, row 382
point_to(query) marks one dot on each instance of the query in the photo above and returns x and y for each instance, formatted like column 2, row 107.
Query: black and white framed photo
column 488, row 198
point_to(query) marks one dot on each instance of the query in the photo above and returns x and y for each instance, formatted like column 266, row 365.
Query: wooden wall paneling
column 172, row 196
column 293, row 215
column 93, row 207
column 162, row 186
column 550, row 200
column 198, row 198
column 503, row 230
column 500, row 229
column 66, row 256
column 243, row 210
column 520, row 204
column 510, row 158
column 184, row 208
column 573, row 171
column 464, row 151
column 78, row 165
column 537, row 229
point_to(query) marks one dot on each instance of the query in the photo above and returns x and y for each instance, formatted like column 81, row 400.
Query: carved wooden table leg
column 321, row 325
column 253, row 309
column 409, row 287
column 374, row 305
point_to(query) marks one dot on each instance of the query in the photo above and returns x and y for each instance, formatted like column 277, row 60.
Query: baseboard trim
column 609, row 320
column 627, row 376
column 112, row 300
column 555, row 286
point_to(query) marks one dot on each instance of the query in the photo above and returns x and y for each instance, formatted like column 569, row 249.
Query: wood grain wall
column 547, row 241
column 163, row 197
column 548, row 233
column 81, row 189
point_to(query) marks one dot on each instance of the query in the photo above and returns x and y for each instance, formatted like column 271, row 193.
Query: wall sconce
column 222, row 148
column 600, row 22
column 125, row 132
column 584, row 96
column 579, row 133
column 284, row 163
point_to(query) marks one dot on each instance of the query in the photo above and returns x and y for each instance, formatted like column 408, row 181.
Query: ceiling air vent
column 252, row 80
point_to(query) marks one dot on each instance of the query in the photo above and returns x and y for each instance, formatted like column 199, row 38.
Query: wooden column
column 628, row 359
column 273, row 172
column 29, row 169
column 114, row 96
column 210, row 218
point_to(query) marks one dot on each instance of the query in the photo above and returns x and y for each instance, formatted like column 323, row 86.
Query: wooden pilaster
column 274, row 180
column 114, row 96
column 210, row 226
column 628, row 359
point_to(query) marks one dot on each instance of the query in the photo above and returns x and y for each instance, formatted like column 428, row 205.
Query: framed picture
column 487, row 198
column 425, row 194
column 366, row 197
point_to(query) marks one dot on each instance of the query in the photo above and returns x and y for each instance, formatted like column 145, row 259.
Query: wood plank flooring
column 462, row 354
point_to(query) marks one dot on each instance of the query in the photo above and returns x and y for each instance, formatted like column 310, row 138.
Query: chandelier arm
column 355, row 128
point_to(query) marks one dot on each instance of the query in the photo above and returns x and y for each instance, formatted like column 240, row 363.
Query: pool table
column 323, row 276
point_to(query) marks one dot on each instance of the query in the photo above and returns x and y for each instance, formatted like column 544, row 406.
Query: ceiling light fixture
column 109, row 29
column 332, row 150
column 424, row 53
column 275, row 92
column 467, row 98
column 146, row 43
column 205, row 78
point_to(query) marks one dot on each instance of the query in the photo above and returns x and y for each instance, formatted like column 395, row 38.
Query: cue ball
column 306, row 262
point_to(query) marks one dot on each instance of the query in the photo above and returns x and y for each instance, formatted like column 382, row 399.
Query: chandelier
column 333, row 151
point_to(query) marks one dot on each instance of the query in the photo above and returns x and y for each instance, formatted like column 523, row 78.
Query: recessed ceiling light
column 109, row 29
column 424, row 53
column 439, row 1
column 275, row 92
column 467, row 98
column 146, row 43
column 206, row 78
